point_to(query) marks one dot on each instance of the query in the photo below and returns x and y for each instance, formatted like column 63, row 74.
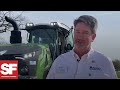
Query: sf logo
column 9, row 69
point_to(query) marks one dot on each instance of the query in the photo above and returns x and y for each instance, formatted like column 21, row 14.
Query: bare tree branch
column 19, row 15
column 20, row 20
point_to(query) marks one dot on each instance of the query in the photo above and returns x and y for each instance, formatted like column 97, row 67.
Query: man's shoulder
column 64, row 56
column 67, row 53
column 100, row 55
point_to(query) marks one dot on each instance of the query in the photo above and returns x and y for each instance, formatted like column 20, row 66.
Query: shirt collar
column 84, row 56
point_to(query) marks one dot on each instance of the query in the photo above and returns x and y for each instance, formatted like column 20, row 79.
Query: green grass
column 118, row 74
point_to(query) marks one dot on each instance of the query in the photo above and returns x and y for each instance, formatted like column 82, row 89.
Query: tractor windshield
column 43, row 36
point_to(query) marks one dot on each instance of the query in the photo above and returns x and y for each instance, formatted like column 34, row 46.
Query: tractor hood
column 19, row 49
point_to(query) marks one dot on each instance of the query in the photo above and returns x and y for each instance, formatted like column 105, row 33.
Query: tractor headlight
column 29, row 55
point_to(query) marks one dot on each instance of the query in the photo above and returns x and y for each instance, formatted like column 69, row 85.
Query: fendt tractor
column 45, row 43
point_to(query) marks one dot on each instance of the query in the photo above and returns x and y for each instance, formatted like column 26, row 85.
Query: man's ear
column 93, row 37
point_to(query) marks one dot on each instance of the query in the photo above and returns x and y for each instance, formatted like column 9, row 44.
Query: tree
column 16, row 15
column 116, row 64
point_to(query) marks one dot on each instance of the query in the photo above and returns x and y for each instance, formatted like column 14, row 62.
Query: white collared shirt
column 92, row 65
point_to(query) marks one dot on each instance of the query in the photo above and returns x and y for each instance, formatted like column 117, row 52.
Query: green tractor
column 45, row 43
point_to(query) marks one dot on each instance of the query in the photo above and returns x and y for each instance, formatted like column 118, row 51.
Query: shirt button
column 93, row 61
column 89, row 74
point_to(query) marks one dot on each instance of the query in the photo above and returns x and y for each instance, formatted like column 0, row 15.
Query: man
column 83, row 62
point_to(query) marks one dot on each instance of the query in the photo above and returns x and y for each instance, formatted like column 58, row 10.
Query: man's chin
column 81, row 47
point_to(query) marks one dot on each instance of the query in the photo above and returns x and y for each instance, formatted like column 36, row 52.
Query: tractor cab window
column 42, row 36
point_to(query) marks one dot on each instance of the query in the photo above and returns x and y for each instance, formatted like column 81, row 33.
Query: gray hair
column 89, row 21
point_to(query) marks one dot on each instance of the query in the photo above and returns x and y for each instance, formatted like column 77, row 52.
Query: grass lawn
column 118, row 74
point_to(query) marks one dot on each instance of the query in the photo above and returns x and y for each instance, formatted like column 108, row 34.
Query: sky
column 108, row 32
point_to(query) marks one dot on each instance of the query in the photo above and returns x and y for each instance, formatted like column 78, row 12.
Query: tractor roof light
column 53, row 23
column 60, row 25
column 29, row 24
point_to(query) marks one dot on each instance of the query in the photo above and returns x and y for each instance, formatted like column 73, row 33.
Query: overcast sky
column 108, row 33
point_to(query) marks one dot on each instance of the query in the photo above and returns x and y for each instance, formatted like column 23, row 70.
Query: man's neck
column 80, row 51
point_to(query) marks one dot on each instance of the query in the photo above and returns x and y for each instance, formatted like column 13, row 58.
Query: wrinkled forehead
column 82, row 26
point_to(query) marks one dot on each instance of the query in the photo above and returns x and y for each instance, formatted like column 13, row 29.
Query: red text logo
column 8, row 69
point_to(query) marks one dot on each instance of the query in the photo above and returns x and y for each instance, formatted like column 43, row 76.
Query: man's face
column 83, row 36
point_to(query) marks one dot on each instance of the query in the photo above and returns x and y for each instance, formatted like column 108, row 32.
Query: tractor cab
column 56, row 35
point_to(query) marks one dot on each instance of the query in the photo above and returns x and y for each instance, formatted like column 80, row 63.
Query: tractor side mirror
column 68, row 47
column 71, row 29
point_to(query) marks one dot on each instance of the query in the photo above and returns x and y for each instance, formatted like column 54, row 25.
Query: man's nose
column 80, row 36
